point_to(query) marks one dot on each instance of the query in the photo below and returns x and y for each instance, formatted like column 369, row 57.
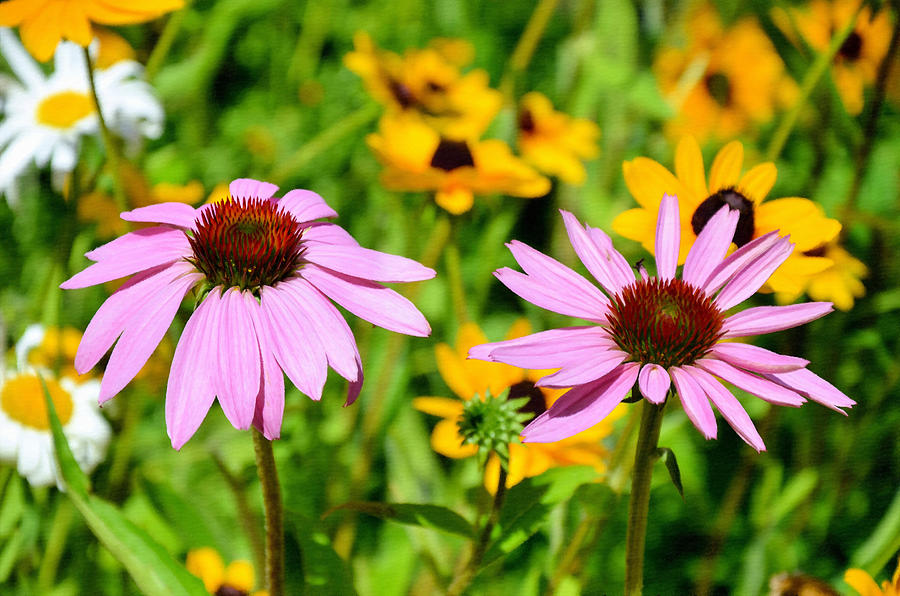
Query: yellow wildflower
column 863, row 583
column 840, row 283
column 698, row 200
column 469, row 379
column 236, row 579
column 416, row 157
column 552, row 141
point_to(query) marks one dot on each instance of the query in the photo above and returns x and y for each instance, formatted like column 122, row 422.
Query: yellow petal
column 648, row 181
column 455, row 200
column 239, row 574
column 637, row 224
column 469, row 335
column 454, row 373
column 804, row 220
column 446, row 440
column 206, row 563
column 689, row 166
column 520, row 328
column 862, row 582
column 443, row 407
column 726, row 167
column 757, row 182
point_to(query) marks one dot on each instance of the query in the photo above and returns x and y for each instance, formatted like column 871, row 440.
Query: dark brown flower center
column 719, row 88
column 818, row 251
column 736, row 201
column 230, row 591
column 246, row 243
column 526, row 121
column 851, row 49
column 402, row 93
column 537, row 403
column 666, row 322
column 450, row 155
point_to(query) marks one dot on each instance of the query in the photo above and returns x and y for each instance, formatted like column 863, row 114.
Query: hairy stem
column 268, row 478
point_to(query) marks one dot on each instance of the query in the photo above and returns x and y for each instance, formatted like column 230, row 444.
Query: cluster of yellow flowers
column 429, row 138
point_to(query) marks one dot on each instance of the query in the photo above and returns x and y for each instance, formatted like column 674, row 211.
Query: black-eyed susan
column 417, row 158
column 43, row 24
column 428, row 83
column 856, row 62
column 699, row 198
column 722, row 82
column 472, row 379
column 554, row 142
column 840, row 283
column 863, row 583
column 237, row 579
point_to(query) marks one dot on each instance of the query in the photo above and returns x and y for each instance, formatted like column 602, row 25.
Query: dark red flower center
column 536, row 404
column 450, row 155
column 666, row 322
column 526, row 121
column 719, row 88
column 851, row 49
column 736, row 201
column 247, row 243
column 227, row 590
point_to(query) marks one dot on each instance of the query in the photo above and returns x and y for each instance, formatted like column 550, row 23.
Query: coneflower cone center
column 246, row 243
column 665, row 322
column 736, row 201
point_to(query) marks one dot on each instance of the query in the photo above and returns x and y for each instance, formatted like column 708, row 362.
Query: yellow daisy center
column 736, row 201
column 22, row 399
column 64, row 109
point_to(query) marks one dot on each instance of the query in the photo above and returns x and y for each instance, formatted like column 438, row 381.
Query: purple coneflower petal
column 174, row 214
column 137, row 243
column 815, row 388
column 582, row 407
column 237, row 375
column 327, row 233
column 366, row 263
column 248, row 188
column 305, row 205
column 694, row 401
column 588, row 369
column 191, row 391
column 144, row 328
column 766, row 319
column 551, row 298
column 295, row 344
column 369, row 300
column 729, row 406
column 736, row 261
column 668, row 238
column 135, row 256
column 547, row 270
column 596, row 258
column 269, row 410
column 761, row 388
column 547, row 349
column 654, row 383
column 710, row 247
column 749, row 279
column 756, row 359
column 618, row 265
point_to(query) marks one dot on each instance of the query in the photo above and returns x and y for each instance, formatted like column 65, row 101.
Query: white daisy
column 44, row 116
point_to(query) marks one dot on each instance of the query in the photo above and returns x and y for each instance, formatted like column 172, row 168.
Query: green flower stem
column 246, row 517
column 56, row 544
column 645, row 456
column 526, row 46
column 454, row 275
column 463, row 579
column 810, row 80
column 112, row 150
column 268, row 478
column 164, row 44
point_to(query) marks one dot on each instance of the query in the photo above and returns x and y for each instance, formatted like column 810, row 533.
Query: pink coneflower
column 660, row 330
column 264, row 273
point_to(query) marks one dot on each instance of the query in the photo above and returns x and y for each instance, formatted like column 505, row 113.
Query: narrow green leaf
column 426, row 516
column 882, row 544
column 324, row 572
column 76, row 481
column 668, row 457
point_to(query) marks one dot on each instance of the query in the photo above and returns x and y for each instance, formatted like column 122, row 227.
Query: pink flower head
column 659, row 331
column 264, row 271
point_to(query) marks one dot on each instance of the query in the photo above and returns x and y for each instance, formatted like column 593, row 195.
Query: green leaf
column 528, row 504
column 427, row 516
column 153, row 569
column 883, row 543
column 668, row 457
column 324, row 572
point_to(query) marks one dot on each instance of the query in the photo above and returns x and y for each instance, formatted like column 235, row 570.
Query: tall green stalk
column 271, row 491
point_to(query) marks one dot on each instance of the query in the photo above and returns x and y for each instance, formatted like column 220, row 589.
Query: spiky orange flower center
column 666, row 322
column 246, row 243
column 736, row 202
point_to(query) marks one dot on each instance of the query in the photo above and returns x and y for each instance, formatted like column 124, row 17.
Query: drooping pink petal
column 729, row 406
column 668, row 238
column 144, row 328
column 550, row 298
column 138, row 253
column 554, row 348
column 175, row 214
column 237, row 375
column 582, row 407
column 654, row 383
column 811, row 385
column 190, row 391
column 305, row 205
column 369, row 300
column 270, row 400
column 756, row 359
column 748, row 280
column 296, row 346
column 694, row 401
column 596, row 258
column 766, row 319
column 327, row 233
column 366, row 263
column 548, row 271
column 248, row 188
column 332, row 329
column 585, row 371
column 758, row 386
column 737, row 260
column 114, row 314
column 710, row 247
